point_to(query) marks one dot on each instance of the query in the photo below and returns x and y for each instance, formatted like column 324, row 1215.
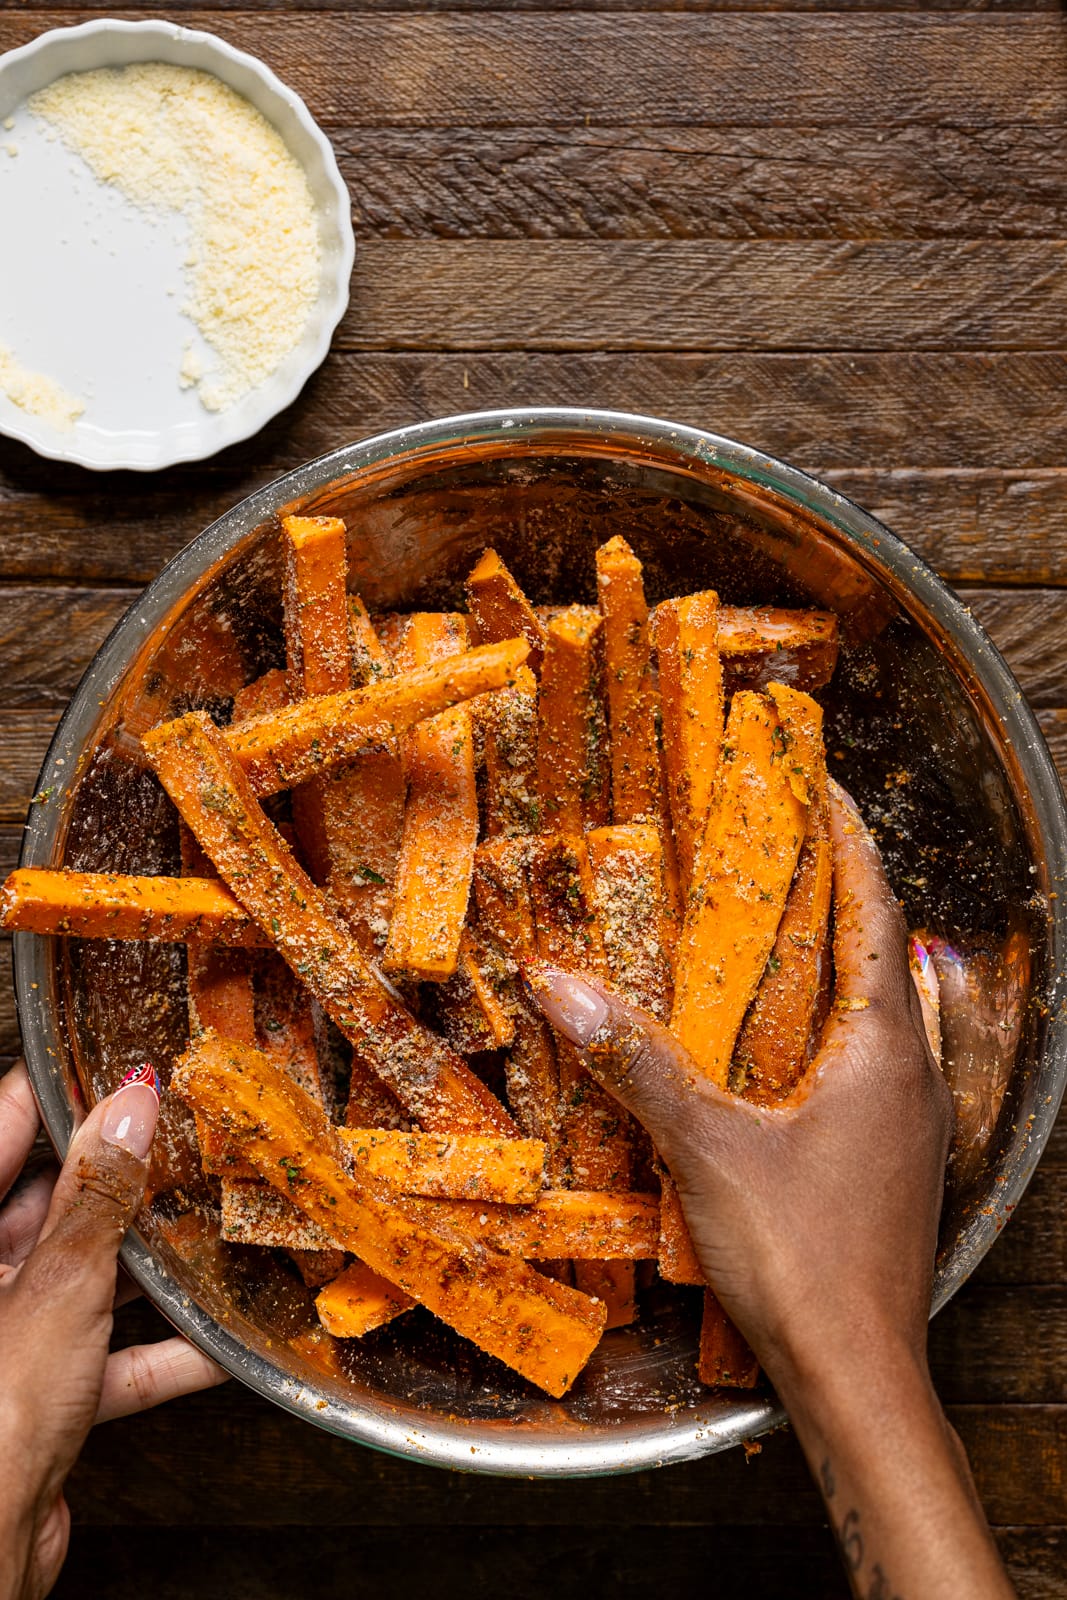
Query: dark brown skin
column 59, row 1240
column 815, row 1221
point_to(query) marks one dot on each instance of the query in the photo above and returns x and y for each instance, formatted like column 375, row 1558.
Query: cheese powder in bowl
column 176, row 139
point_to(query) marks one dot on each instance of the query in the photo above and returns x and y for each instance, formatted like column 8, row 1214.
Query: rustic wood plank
column 686, row 182
column 379, row 6
column 1029, row 627
column 48, row 636
column 771, row 295
column 884, row 411
column 24, row 740
column 1002, row 1345
column 456, row 1564
column 507, row 70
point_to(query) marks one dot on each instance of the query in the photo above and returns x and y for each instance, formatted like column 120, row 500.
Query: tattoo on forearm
column 850, row 1543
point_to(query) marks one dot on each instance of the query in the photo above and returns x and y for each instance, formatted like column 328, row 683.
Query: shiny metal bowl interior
column 925, row 725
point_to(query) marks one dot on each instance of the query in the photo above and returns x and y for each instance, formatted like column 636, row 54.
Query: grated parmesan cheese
column 179, row 140
column 36, row 394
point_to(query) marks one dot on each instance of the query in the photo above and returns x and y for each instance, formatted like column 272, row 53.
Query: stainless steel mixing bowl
column 926, row 726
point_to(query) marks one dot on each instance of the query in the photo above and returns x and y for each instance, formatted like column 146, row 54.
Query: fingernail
column 146, row 1074
column 130, row 1118
column 572, row 1006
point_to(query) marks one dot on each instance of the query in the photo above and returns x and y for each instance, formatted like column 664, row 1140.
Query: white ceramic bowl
column 84, row 297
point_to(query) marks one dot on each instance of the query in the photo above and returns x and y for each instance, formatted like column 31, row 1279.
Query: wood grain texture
column 687, row 295
column 506, row 70
column 685, row 182
column 48, row 636
column 180, row 7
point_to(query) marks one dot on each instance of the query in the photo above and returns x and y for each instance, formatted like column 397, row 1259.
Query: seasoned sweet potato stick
column 440, row 820
column 460, row 1166
column 472, row 1015
column 691, row 696
column 359, row 1301
column 509, row 723
column 573, row 773
column 588, row 1227
column 747, row 859
column 318, row 657
column 283, row 748
column 111, row 905
column 627, row 867
column 543, row 1330
column 202, row 777
column 761, row 645
column 370, row 658
column 631, row 694
column 505, row 912
column 500, row 609
column 263, row 695
column 778, row 1038
column 725, row 1360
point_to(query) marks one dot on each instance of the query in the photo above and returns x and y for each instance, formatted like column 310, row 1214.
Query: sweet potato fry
column 440, row 821
column 451, row 1166
column 778, row 1038
column 358, row 1301
column 627, row 866
column 631, row 696
column 505, row 913
column 587, row 1227
column 746, row 863
column 760, row 645
column 573, row 771
column 509, row 724
column 691, row 696
column 285, row 747
column 725, row 1360
column 111, row 905
column 262, row 696
column 203, row 778
column 500, row 609
column 472, row 1015
column 677, row 1258
column 370, row 658
column 316, row 606
column 544, row 1331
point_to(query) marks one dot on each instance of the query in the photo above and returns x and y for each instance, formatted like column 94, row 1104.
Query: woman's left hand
column 60, row 1234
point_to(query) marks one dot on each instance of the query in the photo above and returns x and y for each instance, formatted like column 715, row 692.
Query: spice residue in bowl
column 175, row 139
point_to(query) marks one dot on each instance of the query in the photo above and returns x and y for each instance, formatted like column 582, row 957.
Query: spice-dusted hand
column 59, row 1240
column 815, row 1221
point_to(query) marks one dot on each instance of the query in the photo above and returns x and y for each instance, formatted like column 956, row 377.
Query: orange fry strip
column 506, row 919
column 263, row 695
column 358, row 1301
column 585, row 1226
column 628, row 679
column 457, row 1166
column 760, row 645
column 472, row 1015
column 110, row 905
column 509, row 722
column 747, row 859
column 316, row 606
column 627, row 867
column 370, row 658
column 725, row 1360
column 573, row 772
column 433, row 874
column 543, row 1330
column 777, row 1040
column 691, row 696
column 500, row 609
column 283, row 748
column 202, row 777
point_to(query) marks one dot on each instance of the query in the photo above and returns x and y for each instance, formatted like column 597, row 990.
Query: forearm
column 897, row 1489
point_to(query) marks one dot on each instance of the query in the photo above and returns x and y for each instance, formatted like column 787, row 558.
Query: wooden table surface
column 838, row 236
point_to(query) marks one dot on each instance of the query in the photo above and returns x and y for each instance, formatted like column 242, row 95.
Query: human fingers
column 870, row 938
column 23, row 1217
column 19, row 1122
column 95, row 1199
column 145, row 1375
column 637, row 1060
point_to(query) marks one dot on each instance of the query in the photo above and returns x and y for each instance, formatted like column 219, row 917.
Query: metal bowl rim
column 880, row 551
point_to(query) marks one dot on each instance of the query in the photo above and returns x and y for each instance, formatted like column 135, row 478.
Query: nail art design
column 146, row 1075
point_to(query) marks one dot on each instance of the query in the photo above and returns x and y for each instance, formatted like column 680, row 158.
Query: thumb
column 636, row 1058
column 102, row 1181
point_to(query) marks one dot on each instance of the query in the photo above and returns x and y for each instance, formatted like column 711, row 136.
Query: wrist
column 857, row 1357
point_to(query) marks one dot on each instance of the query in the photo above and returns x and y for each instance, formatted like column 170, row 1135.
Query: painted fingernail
column 146, row 1074
column 572, row 1006
column 132, row 1112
